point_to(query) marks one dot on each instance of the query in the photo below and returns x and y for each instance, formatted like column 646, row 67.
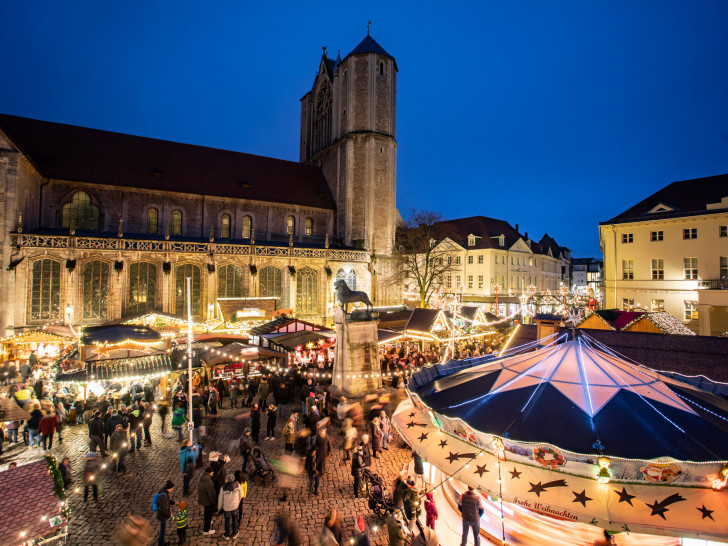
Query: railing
column 718, row 284
column 31, row 240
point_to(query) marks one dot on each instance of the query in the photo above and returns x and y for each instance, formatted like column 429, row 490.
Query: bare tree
column 424, row 254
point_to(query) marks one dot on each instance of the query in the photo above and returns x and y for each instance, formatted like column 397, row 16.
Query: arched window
column 349, row 278
column 45, row 290
column 247, row 227
column 176, row 222
column 81, row 213
column 308, row 227
column 95, row 289
column 306, row 292
column 290, row 225
column 322, row 118
column 269, row 282
column 225, row 226
column 152, row 220
column 381, row 68
column 230, row 281
column 142, row 287
column 181, row 273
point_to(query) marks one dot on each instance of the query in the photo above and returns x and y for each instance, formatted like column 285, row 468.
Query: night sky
column 552, row 115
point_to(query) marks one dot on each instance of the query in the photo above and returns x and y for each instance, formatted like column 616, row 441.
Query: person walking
column 62, row 415
column 207, row 499
column 228, row 501
column 178, row 419
column 386, row 426
column 323, row 446
column 96, row 434
column 263, row 391
column 289, row 435
column 270, row 426
column 181, row 521
column 91, row 478
column 119, row 445
column 471, row 509
column 242, row 479
column 312, row 467
column 376, row 437
column 366, row 450
column 47, row 428
column 33, row 423
column 430, row 510
column 357, row 469
column 255, row 423
column 187, row 460
column 136, row 420
column 65, row 470
column 234, row 388
column 220, row 386
column 246, row 447
column 147, row 418
column 164, row 509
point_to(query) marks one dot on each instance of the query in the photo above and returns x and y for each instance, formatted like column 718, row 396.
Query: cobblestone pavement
column 95, row 524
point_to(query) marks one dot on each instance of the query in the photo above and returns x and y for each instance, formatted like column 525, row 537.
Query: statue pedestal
column 356, row 364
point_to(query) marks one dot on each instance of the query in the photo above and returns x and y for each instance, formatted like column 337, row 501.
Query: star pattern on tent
column 659, row 508
column 624, row 496
column 413, row 424
column 423, row 437
column 455, row 456
column 515, row 474
column 539, row 488
column 581, row 497
column 706, row 513
column 481, row 470
column 443, row 443
column 412, row 414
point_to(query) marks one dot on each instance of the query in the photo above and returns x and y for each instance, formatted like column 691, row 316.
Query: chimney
column 516, row 227
column 525, row 235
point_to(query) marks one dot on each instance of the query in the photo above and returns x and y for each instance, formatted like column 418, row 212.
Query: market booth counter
column 233, row 359
column 46, row 346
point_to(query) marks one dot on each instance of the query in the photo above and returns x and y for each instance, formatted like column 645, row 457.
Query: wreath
column 549, row 457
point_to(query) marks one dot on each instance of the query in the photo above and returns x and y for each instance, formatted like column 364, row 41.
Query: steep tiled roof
column 485, row 229
column 687, row 197
column 369, row 45
column 27, row 493
column 79, row 154
column 422, row 320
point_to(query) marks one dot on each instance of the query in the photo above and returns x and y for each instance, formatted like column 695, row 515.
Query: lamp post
column 189, row 357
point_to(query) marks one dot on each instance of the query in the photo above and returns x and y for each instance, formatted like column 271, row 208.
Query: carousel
column 570, row 430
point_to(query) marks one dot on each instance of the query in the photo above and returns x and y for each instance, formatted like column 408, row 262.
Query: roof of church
column 80, row 154
column 370, row 45
column 685, row 198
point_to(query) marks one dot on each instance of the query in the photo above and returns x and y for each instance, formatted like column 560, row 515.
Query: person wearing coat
column 187, row 460
column 119, row 444
column 357, row 469
column 386, row 426
column 412, row 503
column 366, row 450
column 255, row 423
column 312, row 467
column 46, row 428
column 263, row 390
column 430, row 510
column 228, row 501
column 207, row 499
column 376, row 438
column 395, row 529
column 289, row 435
column 270, row 429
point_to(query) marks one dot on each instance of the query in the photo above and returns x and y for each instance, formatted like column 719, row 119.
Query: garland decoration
column 58, row 487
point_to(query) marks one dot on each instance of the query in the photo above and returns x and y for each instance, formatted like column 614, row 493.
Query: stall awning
column 120, row 368
column 491, row 299
column 385, row 336
column 237, row 352
column 99, row 335
column 289, row 342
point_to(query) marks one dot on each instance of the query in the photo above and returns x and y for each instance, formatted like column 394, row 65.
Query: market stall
column 239, row 360
column 41, row 343
column 569, row 429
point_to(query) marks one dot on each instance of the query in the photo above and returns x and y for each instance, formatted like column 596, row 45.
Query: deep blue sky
column 552, row 115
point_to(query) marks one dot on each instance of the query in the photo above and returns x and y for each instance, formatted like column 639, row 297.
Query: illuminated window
column 45, row 290
column 480, row 258
column 658, row 269
column 691, row 268
column 308, row 227
column 471, row 240
column 269, row 282
column 457, row 260
column 225, row 226
column 142, row 287
column 181, row 274
column 290, row 225
column 724, row 267
column 349, row 279
column 627, row 237
column 95, row 289
column 176, row 222
column 656, row 235
column 658, row 306
column 627, row 269
column 627, row 304
column 152, row 220
column 230, row 281
column 448, row 281
column 690, row 233
column 80, row 213
column 457, row 281
column 306, row 291
column 723, row 231
column 247, row 227
column 470, row 259
column 480, row 281
column 691, row 310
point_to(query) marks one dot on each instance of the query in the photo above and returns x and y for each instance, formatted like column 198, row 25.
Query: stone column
column 356, row 367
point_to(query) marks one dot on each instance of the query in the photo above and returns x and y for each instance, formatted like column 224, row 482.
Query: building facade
column 669, row 253
column 101, row 225
column 586, row 275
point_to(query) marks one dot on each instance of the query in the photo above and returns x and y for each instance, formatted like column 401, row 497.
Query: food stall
column 46, row 346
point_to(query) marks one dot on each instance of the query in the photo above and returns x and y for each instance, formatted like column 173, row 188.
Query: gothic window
column 308, row 227
column 247, row 227
column 349, row 278
column 225, row 226
column 181, row 274
column 307, row 292
column 80, row 213
column 230, row 281
column 152, row 220
column 142, row 287
column 381, row 68
column 322, row 119
column 176, row 222
column 45, row 290
column 95, row 289
column 269, row 282
column 290, row 225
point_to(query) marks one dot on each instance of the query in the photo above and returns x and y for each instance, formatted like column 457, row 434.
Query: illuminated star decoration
column 515, row 474
column 455, row 456
column 624, row 496
column 581, row 497
column 481, row 470
column 413, row 424
column 423, row 437
column 443, row 443
column 706, row 513
column 539, row 488
column 658, row 508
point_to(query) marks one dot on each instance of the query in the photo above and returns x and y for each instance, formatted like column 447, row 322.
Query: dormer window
column 502, row 240
column 471, row 240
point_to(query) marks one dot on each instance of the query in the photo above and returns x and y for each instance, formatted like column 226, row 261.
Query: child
column 181, row 520
column 242, row 479
column 430, row 511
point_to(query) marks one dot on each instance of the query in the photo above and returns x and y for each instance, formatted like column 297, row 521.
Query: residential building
column 100, row 225
column 586, row 273
column 669, row 252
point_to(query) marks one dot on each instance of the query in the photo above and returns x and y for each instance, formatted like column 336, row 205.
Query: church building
column 100, row 225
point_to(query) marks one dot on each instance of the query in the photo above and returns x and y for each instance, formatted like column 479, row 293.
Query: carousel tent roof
column 575, row 394
column 98, row 335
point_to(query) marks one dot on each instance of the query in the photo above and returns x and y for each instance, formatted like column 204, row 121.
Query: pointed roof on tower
column 370, row 45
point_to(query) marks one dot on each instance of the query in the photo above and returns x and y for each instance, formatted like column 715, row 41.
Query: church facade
column 100, row 225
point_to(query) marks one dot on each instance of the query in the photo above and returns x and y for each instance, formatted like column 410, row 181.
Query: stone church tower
column 348, row 128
